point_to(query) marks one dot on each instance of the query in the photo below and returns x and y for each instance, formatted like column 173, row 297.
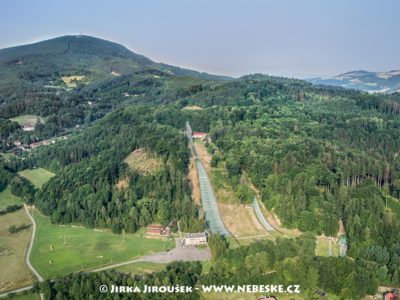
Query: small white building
column 195, row 239
column 28, row 127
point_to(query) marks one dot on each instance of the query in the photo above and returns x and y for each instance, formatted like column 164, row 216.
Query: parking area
column 179, row 253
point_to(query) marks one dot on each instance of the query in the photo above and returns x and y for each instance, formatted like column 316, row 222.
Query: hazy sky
column 231, row 37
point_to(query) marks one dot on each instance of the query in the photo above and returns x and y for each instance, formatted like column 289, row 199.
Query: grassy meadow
column 12, row 252
column 25, row 120
column 37, row 176
column 60, row 249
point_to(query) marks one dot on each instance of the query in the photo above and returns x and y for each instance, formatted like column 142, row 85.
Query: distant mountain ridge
column 101, row 57
column 373, row 82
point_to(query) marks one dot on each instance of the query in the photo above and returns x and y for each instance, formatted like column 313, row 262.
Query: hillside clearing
column 12, row 252
column 143, row 162
column 61, row 249
column 71, row 81
column 37, row 176
column 27, row 120
column 248, row 225
column 192, row 107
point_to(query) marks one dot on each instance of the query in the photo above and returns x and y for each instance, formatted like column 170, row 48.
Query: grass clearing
column 248, row 225
column 143, row 162
column 37, row 176
column 192, row 107
column 6, row 198
column 141, row 268
column 71, row 81
column 12, row 252
column 60, row 249
column 25, row 120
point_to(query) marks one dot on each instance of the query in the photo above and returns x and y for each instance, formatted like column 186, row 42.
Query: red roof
column 199, row 134
column 391, row 296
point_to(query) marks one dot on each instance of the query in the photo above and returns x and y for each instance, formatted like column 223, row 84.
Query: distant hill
column 89, row 56
column 373, row 82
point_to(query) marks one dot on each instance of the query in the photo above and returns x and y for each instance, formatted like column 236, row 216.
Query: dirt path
column 28, row 253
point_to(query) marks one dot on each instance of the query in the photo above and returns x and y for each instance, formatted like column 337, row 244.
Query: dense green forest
column 90, row 165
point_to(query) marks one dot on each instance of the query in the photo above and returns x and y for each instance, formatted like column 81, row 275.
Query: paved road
column 179, row 253
column 260, row 216
column 208, row 199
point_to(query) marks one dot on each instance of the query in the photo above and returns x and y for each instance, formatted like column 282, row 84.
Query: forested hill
column 58, row 79
column 95, row 57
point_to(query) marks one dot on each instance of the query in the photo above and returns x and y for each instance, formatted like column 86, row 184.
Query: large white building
column 195, row 239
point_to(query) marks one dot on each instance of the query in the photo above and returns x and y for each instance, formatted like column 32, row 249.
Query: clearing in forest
column 192, row 107
column 37, row 176
column 71, row 81
column 143, row 162
column 27, row 120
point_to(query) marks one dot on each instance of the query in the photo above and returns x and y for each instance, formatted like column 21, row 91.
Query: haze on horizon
column 281, row 37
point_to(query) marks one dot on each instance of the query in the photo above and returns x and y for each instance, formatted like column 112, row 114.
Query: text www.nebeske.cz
column 290, row 289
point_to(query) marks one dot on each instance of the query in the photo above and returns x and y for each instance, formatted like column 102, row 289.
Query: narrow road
column 208, row 198
column 260, row 216
column 28, row 253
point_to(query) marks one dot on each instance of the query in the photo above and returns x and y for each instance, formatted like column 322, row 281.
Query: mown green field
column 26, row 120
column 61, row 249
column 6, row 199
column 37, row 176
